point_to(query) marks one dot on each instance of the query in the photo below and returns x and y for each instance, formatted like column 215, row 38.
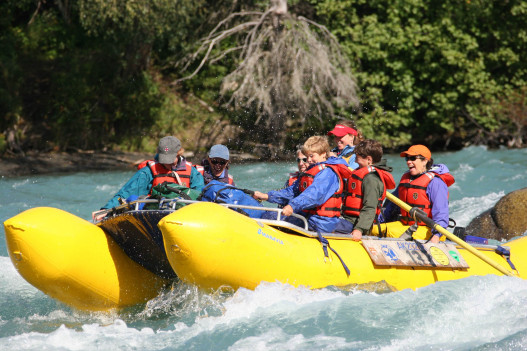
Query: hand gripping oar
column 415, row 212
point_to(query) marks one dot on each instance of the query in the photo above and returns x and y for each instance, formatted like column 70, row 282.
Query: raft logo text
column 264, row 234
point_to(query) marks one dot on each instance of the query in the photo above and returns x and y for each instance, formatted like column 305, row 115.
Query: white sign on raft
column 414, row 254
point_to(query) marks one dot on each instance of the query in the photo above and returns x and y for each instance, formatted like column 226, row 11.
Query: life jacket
column 353, row 196
column 161, row 174
column 229, row 180
column 413, row 192
column 332, row 207
column 292, row 178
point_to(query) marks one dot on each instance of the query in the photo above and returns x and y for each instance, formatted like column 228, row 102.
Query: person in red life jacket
column 346, row 136
column 366, row 188
column 301, row 163
column 168, row 165
column 317, row 193
column 216, row 165
column 424, row 185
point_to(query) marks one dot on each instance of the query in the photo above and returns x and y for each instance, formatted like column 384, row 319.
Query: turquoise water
column 478, row 313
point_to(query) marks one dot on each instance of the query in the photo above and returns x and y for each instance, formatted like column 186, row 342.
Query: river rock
column 507, row 219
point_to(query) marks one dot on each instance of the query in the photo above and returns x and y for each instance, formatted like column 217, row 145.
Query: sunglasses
column 413, row 158
column 218, row 162
column 303, row 160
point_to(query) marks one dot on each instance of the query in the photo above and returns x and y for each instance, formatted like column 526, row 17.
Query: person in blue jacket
column 168, row 158
column 316, row 194
column 424, row 185
column 346, row 136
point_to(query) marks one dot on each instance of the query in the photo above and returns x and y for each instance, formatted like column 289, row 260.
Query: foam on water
column 458, row 315
column 466, row 209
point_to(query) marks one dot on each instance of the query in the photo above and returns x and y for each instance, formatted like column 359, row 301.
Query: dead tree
column 290, row 69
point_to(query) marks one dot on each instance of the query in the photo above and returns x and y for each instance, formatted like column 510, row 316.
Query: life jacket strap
column 506, row 253
column 325, row 246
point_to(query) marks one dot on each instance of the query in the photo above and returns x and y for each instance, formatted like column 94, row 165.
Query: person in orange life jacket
column 424, row 185
column 168, row 165
column 366, row 188
column 301, row 163
column 317, row 193
column 216, row 165
column 346, row 136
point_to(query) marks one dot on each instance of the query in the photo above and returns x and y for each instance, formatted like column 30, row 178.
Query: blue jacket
column 347, row 149
column 437, row 192
column 141, row 183
column 325, row 184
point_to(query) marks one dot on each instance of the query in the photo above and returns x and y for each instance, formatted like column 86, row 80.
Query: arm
column 196, row 180
column 139, row 184
column 283, row 196
column 437, row 192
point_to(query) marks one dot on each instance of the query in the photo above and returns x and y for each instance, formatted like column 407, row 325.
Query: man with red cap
column 346, row 136
column 424, row 185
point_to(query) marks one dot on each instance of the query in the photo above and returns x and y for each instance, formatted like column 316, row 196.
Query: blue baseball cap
column 219, row 151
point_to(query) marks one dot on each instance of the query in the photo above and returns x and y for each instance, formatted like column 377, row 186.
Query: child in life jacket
column 365, row 189
column 317, row 193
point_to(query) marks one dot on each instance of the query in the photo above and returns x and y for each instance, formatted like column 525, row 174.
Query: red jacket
column 292, row 178
column 413, row 192
column 353, row 194
column 332, row 207
column 161, row 174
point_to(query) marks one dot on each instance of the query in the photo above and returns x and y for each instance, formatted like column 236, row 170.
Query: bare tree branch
column 289, row 68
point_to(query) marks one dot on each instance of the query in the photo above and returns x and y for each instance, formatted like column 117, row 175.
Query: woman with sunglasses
column 216, row 165
column 301, row 163
column 424, row 185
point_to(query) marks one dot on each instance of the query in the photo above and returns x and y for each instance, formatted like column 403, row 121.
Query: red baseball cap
column 416, row 150
column 341, row 130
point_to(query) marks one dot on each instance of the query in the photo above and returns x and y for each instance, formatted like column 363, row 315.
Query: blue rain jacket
column 325, row 184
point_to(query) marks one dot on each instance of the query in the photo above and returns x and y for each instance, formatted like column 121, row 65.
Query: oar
column 413, row 211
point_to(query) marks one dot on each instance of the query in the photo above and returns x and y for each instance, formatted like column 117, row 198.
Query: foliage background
column 94, row 74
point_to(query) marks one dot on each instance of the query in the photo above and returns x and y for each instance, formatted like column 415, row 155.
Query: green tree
column 423, row 66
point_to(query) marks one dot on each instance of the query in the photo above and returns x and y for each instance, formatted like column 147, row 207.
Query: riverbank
column 33, row 163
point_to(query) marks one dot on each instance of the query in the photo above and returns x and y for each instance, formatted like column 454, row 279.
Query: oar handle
column 415, row 212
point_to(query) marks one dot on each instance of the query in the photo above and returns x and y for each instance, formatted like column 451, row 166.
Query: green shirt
column 372, row 190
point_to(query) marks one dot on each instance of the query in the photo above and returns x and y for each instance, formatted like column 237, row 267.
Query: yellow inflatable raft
column 212, row 246
column 75, row 262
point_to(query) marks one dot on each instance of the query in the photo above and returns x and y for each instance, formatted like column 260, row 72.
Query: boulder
column 507, row 219
column 483, row 225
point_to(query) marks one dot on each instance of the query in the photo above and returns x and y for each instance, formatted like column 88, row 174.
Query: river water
column 478, row 313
